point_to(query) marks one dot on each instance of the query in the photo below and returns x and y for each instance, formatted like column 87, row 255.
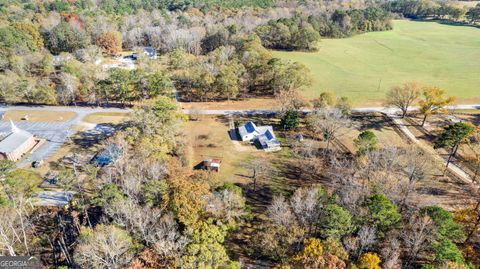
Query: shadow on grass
column 98, row 134
column 371, row 121
column 449, row 22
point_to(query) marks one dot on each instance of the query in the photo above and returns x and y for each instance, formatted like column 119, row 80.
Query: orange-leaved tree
column 110, row 42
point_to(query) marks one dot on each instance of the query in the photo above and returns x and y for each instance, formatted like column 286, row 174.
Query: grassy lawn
column 39, row 116
column 382, row 128
column 208, row 138
column 106, row 117
column 365, row 66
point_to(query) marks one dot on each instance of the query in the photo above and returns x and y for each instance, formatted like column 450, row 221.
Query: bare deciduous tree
column 261, row 170
column 309, row 162
column 227, row 205
column 11, row 235
column 16, row 226
column 402, row 97
column 328, row 122
column 345, row 178
column 67, row 89
column 150, row 226
column 391, row 254
column 280, row 213
column 305, row 205
column 417, row 235
column 385, row 160
column 417, row 164
column 105, row 247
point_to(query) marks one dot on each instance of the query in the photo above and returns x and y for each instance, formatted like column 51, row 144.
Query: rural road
column 388, row 111
column 89, row 110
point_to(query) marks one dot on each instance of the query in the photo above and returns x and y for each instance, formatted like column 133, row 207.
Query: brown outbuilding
column 212, row 164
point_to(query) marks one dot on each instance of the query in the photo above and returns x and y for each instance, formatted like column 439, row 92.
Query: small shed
column 212, row 165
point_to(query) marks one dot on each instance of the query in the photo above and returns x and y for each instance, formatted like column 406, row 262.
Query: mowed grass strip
column 38, row 116
column 365, row 66
column 106, row 117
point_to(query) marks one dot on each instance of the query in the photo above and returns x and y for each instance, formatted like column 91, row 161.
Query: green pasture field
column 365, row 66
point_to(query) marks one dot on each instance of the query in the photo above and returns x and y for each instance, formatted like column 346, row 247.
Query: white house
column 263, row 135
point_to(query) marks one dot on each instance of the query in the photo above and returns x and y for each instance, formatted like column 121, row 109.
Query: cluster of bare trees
column 357, row 181
column 430, row 99
column 349, row 212
column 16, row 229
column 192, row 30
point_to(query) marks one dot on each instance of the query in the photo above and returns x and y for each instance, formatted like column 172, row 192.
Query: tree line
column 303, row 32
column 434, row 9
column 245, row 69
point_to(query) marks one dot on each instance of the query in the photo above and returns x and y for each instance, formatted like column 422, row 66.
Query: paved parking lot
column 54, row 133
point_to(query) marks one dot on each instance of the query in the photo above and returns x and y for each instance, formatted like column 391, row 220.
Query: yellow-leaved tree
column 433, row 102
column 317, row 255
column 369, row 260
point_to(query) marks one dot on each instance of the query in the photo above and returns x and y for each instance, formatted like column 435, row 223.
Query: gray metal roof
column 53, row 198
column 15, row 139
column 247, row 128
column 263, row 134
column 268, row 141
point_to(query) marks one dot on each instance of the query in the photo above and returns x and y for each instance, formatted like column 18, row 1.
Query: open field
column 38, row 116
column 365, row 66
column 378, row 124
